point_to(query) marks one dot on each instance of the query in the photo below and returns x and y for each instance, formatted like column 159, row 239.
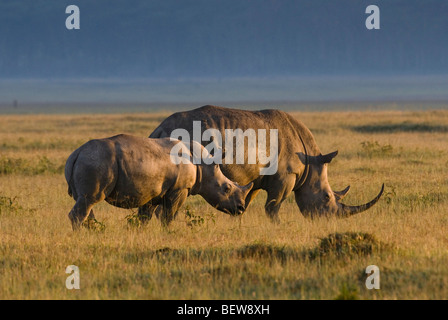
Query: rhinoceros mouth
column 342, row 210
column 236, row 212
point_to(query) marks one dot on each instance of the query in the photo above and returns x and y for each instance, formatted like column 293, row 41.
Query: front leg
column 251, row 196
column 171, row 204
column 278, row 191
column 272, row 208
column 146, row 212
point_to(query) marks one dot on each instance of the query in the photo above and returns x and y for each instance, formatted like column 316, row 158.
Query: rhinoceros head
column 315, row 197
column 220, row 192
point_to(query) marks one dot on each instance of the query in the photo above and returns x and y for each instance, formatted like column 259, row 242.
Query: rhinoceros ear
column 326, row 158
column 302, row 157
column 317, row 160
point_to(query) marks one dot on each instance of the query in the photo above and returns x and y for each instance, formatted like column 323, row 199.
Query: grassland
column 208, row 255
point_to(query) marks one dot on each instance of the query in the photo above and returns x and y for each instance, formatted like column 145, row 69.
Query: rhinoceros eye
column 227, row 189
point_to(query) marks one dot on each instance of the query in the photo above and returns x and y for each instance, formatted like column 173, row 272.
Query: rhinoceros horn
column 339, row 195
column 345, row 210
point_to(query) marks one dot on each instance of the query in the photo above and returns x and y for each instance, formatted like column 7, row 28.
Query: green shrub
column 348, row 292
column 28, row 167
column 347, row 244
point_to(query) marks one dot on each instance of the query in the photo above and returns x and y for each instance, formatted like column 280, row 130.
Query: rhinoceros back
column 291, row 131
column 292, row 135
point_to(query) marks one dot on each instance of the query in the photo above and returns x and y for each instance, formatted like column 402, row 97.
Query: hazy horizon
column 222, row 52
column 229, row 91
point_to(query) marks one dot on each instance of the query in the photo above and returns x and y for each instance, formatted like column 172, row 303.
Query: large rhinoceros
column 301, row 167
column 131, row 172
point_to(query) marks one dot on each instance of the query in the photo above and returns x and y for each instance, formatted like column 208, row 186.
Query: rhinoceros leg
column 251, row 196
column 90, row 221
column 146, row 211
column 90, row 218
column 171, row 204
column 272, row 207
column 278, row 191
column 88, row 194
column 80, row 210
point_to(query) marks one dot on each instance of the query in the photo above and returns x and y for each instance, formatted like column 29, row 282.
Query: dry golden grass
column 224, row 257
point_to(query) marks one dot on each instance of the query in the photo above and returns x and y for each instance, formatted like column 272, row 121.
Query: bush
column 27, row 167
column 347, row 244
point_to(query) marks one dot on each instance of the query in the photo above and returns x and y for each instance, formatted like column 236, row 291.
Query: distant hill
column 221, row 38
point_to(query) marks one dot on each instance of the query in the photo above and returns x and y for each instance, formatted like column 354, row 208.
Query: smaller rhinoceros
column 130, row 172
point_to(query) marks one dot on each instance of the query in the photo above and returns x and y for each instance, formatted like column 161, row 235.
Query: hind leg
column 90, row 183
column 91, row 215
column 80, row 211
column 90, row 221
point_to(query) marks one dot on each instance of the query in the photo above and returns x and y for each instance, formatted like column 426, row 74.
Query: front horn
column 346, row 211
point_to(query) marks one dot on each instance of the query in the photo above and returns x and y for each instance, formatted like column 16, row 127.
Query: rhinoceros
column 130, row 172
column 301, row 167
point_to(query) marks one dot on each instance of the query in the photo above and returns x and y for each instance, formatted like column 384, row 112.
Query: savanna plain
column 206, row 254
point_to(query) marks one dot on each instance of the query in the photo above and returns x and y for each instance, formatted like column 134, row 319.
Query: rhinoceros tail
column 69, row 171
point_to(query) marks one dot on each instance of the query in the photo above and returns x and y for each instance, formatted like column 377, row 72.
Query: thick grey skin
column 131, row 172
column 302, row 168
